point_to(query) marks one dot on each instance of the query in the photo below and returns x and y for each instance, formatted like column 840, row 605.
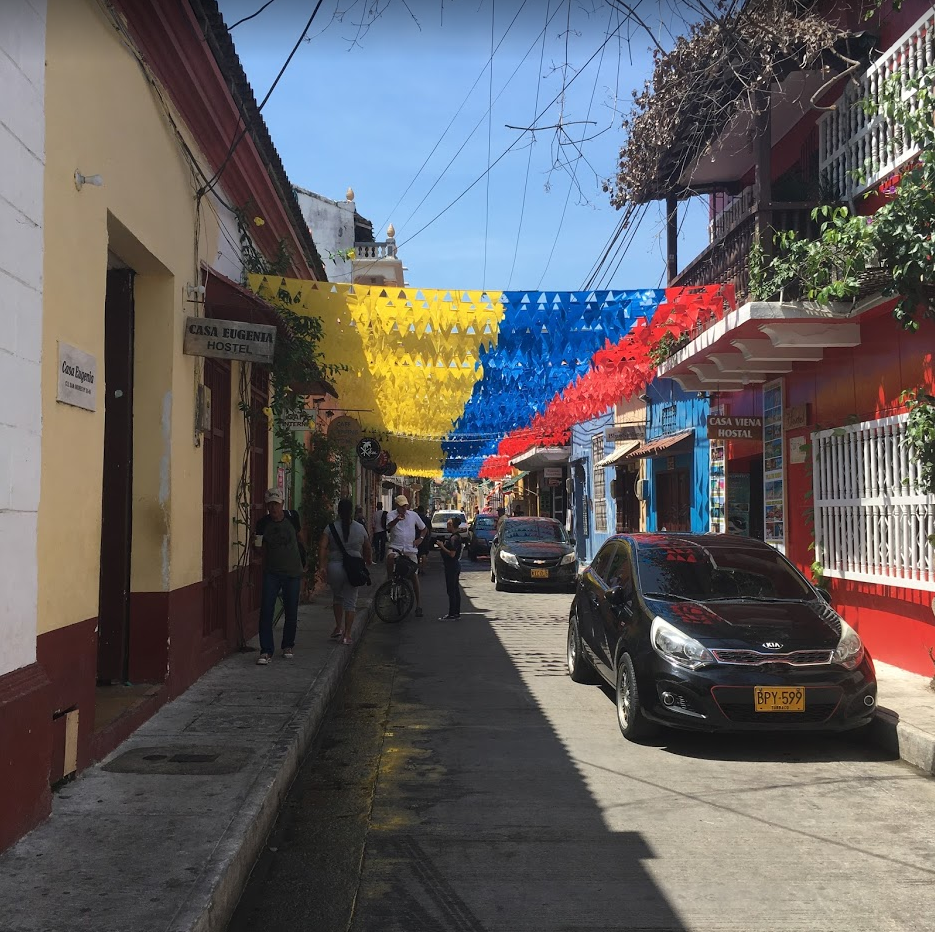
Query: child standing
column 450, row 549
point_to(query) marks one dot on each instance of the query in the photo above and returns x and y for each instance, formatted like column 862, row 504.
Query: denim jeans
column 272, row 584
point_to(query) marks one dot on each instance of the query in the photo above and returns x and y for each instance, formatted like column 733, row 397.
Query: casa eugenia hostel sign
column 229, row 339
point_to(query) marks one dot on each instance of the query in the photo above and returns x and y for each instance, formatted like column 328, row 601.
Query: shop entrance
column 113, row 642
column 628, row 505
column 673, row 501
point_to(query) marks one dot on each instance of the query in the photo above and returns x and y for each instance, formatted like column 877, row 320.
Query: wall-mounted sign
column 368, row 449
column 229, row 339
column 77, row 378
column 623, row 432
column 344, row 430
column 552, row 472
column 390, row 469
column 721, row 427
column 796, row 417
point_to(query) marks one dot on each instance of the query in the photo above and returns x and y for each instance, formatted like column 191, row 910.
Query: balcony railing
column 727, row 258
column 853, row 141
column 373, row 251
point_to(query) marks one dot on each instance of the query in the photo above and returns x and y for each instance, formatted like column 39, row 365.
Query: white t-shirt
column 376, row 521
column 403, row 533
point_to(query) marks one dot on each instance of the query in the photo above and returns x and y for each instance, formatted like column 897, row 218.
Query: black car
column 717, row 633
column 532, row 552
column 480, row 536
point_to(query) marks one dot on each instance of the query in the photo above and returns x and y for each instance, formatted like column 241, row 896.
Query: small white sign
column 552, row 472
column 77, row 378
column 229, row 339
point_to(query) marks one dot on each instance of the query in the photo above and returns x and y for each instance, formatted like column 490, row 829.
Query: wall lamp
column 82, row 180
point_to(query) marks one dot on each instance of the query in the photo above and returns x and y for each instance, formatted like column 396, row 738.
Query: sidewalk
column 131, row 846
column 164, row 833
column 905, row 720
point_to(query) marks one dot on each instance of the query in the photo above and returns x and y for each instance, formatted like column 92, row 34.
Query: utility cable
column 513, row 144
column 251, row 16
column 209, row 186
column 493, row 10
column 451, row 122
column 535, row 109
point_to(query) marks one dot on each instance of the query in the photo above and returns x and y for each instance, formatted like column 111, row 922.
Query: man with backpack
column 378, row 533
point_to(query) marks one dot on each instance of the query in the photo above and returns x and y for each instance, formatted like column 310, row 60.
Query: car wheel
column 578, row 667
column 630, row 718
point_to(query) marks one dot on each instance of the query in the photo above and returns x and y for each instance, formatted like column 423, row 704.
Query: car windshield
column 707, row 572
column 534, row 530
column 485, row 524
column 443, row 517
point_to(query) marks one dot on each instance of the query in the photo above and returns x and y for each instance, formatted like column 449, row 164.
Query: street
column 464, row 782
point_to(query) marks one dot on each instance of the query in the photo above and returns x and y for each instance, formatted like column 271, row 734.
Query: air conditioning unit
column 641, row 489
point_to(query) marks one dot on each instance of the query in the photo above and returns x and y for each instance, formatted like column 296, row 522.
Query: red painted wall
column 848, row 386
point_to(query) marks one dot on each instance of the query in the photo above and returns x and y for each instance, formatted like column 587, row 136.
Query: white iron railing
column 872, row 519
column 851, row 140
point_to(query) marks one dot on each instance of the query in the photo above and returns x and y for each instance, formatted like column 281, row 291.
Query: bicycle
column 394, row 599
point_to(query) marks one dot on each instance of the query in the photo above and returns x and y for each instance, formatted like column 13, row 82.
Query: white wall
column 332, row 226
column 22, row 158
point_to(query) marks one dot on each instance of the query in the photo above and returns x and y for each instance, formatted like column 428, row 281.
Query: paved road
column 465, row 784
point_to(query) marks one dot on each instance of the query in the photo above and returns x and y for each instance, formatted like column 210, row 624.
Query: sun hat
column 402, row 500
column 273, row 495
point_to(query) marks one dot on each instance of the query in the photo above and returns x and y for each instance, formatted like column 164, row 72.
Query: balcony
column 734, row 231
column 375, row 251
column 857, row 148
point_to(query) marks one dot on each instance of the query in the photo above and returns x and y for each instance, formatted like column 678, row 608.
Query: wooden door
column 113, row 641
column 673, row 504
column 216, row 497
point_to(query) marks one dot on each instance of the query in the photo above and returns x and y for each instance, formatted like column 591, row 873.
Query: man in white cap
column 278, row 535
column 405, row 530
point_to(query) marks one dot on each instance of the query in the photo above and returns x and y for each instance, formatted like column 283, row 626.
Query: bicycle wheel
column 393, row 601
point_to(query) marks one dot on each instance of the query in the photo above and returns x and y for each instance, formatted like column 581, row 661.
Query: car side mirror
column 571, row 541
column 824, row 595
column 620, row 595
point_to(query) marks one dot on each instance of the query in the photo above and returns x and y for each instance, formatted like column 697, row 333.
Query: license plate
column 779, row 698
column 539, row 574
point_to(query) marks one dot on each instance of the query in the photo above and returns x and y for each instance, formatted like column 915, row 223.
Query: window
column 872, row 519
column 600, row 493
column 619, row 571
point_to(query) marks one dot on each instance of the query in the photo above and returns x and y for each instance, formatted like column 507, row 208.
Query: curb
column 911, row 744
column 212, row 902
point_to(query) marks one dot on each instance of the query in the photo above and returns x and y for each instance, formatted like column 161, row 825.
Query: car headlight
column 568, row 558
column 850, row 649
column 677, row 647
column 509, row 558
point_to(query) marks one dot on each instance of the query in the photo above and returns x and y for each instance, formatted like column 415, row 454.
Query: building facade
column 133, row 571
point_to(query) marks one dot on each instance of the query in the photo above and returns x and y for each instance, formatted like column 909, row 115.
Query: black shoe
column 447, row 617
column 419, row 611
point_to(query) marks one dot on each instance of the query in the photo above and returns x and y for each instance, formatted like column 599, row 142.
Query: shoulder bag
column 354, row 567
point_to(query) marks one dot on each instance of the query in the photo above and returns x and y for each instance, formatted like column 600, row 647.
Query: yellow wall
column 103, row 118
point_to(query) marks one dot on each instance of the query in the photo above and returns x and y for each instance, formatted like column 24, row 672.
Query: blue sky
column 364, row 106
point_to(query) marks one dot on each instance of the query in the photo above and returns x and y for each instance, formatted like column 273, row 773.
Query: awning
column 622, row 449
column 512, row 480
column 226, row 300
column 671, row 445
column 540, row 457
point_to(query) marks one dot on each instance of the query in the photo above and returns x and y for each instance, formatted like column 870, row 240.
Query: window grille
column 600, row 494
column 667, row 418
column 872, row 518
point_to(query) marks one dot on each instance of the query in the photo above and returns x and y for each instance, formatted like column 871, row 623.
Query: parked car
column 715, row 632
column 480, row 535
column 532, row 552
column 439, row 523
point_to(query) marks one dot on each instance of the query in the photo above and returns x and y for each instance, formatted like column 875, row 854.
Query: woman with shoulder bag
column 343, row 539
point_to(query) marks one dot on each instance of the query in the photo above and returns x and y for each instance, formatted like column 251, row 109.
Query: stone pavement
column 164, row 833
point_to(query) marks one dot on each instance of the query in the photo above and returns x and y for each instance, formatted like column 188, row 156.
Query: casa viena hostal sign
column 229, row 339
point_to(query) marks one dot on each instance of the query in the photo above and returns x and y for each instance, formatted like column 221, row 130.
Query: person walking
column 359, row 516
column 405, row 530
column 378, row 533
column 425, row 547
column 279, row 538
column 450, row 549
column 331, row 566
